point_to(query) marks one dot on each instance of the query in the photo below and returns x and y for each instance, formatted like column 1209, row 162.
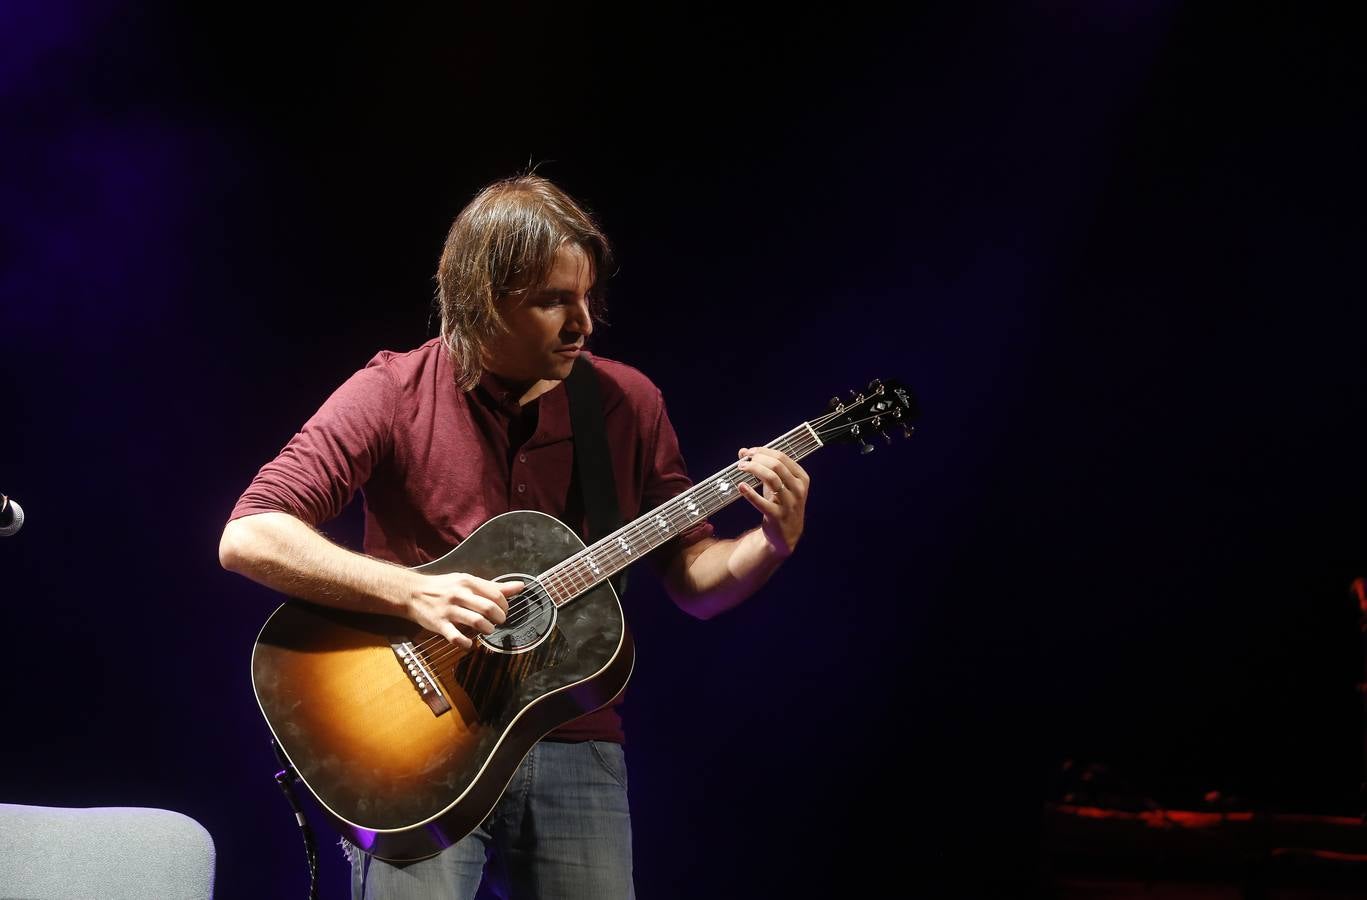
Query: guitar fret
column 594, row 565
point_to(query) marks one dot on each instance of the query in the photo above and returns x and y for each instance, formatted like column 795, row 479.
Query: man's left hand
column 784, row 499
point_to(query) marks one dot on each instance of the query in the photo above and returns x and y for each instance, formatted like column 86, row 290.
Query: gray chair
column 108, row 853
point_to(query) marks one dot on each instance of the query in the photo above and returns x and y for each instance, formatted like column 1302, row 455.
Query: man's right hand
column 458, row 606
column 285, row 554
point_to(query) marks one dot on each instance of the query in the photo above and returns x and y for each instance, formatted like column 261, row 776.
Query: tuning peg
column 887, row 438
column 865, row 447
column 876, row 386
column 835, row 403
column 908, row 430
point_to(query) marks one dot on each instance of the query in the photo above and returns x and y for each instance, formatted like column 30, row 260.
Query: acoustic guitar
column 406, row 740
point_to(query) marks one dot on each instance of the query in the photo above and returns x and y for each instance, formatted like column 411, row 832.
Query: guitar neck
column 599, row 562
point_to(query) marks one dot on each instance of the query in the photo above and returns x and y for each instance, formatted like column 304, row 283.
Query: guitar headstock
column 883, row 407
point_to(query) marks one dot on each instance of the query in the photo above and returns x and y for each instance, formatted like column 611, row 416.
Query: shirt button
column 522, row 489
column 522, row 457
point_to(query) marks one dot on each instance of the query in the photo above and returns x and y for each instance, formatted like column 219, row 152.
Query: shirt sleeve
column 668, row 477
column 318, row 472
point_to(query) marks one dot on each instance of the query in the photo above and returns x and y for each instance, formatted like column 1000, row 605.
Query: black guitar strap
column 592, row 458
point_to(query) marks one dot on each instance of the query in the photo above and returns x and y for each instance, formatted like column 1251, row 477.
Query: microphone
column 11, row 516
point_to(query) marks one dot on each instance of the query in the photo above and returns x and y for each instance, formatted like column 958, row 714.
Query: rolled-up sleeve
column 318, row 472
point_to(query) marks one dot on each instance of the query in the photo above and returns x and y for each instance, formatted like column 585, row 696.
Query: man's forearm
column 284, row 553
column 723, row 574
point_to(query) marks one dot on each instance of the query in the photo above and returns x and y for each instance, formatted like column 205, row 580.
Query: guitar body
column 406, row 764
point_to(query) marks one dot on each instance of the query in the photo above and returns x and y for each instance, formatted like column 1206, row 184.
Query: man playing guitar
column 464, row 428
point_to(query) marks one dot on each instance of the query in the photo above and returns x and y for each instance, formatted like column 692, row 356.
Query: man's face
column 546, row 325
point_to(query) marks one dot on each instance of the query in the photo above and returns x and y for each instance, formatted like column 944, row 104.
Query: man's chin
column 560, row 370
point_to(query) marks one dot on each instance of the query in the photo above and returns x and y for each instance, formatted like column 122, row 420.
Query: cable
column 284, row 778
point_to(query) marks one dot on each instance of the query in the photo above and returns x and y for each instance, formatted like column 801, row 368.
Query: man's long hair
column 503, row 244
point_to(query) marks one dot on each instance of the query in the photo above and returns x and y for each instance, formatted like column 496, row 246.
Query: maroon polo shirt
column 434, row 463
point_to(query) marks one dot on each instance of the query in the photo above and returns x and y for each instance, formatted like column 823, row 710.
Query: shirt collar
column 498, row 393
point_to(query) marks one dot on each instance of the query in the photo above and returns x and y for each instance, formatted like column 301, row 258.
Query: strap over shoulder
column 593, row 458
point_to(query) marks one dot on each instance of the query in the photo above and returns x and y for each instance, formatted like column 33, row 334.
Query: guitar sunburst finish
column 399, row 779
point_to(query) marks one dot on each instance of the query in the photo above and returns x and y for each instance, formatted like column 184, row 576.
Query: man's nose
column 581, row 322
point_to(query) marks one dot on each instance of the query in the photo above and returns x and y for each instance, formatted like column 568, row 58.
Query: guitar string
column 674, row 511
column 677, row 516
column 450, row 654
column 534, row 598
column 520, row 613
column 797, row 441
column 574, row 574
column 565, row 584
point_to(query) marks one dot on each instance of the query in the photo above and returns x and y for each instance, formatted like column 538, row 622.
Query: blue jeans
column 561, row 830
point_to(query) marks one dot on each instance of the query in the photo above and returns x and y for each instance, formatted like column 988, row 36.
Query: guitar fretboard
column 599, row 562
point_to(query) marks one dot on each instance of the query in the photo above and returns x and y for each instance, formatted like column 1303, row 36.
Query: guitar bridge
column 420, row 675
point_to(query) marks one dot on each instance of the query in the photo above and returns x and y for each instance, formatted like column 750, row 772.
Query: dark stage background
column 1117, row 249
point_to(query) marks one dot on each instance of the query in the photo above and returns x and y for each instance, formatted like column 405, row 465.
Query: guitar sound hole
column 531, row 616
